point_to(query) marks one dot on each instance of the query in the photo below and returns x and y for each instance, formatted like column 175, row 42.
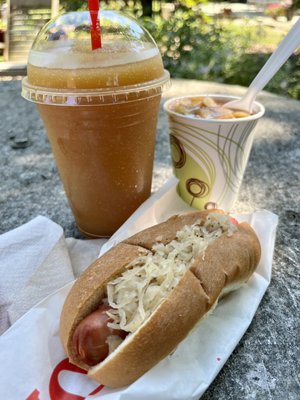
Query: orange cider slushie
column 100, row 112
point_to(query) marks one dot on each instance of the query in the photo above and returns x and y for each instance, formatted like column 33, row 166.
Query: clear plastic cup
column 100, row 112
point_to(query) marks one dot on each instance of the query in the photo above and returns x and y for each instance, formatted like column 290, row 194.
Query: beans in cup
column 205, row 107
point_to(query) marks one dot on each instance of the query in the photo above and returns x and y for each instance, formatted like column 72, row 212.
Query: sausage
column 90, row 337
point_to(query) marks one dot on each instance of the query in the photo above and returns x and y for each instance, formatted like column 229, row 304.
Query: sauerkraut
column 148, row 280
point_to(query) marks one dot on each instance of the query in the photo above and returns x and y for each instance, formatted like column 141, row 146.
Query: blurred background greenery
column 217, row 47
column 212, row 41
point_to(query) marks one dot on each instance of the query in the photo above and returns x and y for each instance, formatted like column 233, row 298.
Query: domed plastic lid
column 63, row 68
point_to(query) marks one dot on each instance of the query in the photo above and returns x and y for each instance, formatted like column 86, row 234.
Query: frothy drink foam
column 77, row 67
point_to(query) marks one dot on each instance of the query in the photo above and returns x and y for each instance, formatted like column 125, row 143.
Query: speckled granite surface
column 266, row 363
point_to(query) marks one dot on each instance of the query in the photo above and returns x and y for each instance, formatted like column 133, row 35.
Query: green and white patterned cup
column 209, row 156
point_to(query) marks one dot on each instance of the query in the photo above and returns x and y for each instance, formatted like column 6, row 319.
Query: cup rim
column 52, row 96
column 257, row 115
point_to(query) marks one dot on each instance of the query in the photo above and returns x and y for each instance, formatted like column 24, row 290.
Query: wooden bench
column 24, row 20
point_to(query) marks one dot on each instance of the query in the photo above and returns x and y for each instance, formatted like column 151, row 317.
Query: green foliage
column 193, row 46
column 183, row 38
column 287, row 79
column 128, row 6
column 196, row 47
column 190, row 3
column 73, row 5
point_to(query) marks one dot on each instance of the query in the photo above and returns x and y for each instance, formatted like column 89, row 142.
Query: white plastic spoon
column 277, row 59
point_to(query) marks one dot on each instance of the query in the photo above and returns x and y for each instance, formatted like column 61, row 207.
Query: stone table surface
column 266, row 363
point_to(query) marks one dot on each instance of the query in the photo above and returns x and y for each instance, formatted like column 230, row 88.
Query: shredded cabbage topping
column 147, row 281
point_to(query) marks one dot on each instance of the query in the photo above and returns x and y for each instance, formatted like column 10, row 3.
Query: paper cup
column 209, row 156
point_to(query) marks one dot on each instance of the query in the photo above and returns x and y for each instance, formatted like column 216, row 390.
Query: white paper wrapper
column 34, row 365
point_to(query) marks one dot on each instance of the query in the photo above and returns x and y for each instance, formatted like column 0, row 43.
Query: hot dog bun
column 225, row 264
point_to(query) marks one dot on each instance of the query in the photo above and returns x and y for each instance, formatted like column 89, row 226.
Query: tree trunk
column 147, row 8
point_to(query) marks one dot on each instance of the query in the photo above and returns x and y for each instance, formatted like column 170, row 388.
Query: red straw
column 95, row 25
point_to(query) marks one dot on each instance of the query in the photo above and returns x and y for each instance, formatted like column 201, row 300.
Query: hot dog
column 137, row 302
